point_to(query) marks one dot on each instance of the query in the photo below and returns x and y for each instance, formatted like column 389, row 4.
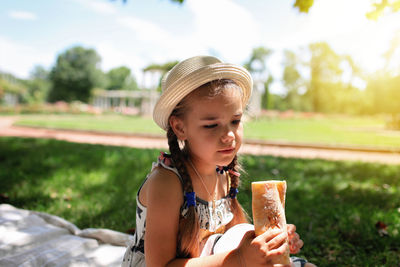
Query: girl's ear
column 177, row 126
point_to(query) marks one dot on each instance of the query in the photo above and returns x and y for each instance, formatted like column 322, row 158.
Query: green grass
column 330, row 130
column 335, row 205
column 106, row 123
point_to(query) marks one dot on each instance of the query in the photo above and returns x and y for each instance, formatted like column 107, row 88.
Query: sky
column 142, row 32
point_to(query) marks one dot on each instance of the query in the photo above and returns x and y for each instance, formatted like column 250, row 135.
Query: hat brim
column 185, row 85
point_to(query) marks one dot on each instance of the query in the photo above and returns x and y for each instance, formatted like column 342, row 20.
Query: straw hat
column 189, row 75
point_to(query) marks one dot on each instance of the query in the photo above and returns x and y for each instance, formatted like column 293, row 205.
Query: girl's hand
column 295, row 243
column 261, row 250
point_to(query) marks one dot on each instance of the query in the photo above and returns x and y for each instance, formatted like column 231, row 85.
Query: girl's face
column 212, row 127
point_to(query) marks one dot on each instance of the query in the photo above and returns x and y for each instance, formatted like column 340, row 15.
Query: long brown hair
column 189, row 227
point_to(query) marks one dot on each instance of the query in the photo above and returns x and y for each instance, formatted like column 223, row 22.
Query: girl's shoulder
column 164, row 176
column 165, row 181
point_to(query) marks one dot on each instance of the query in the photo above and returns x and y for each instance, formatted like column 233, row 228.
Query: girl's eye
column 236, row 122
column 210, row 126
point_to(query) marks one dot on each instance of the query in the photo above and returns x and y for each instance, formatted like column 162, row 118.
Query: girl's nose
column 228, row 136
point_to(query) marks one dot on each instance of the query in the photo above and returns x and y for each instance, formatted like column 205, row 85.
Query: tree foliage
column 257, row 60
column 325, row 73
column 378, row 8
column 384, row 91
column 38, row 85
column 75, row 74
column 303, row 5
column 392, row 55
column 293, row 82
column 257, row 66
column 266, row 100
column 120, row 78
column 10, row 84
column 162, row 69
column 383, row 6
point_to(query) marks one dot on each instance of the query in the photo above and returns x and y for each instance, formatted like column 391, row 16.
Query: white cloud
column 112, row 57
column 145, row 30
column 22, row 15
column 228, row 30
column 157, row 45
column 226, row 27
column 19, row 59
column 101, row 7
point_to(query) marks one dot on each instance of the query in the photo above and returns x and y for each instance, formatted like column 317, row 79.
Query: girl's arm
column 252, row 251
column 163, row 197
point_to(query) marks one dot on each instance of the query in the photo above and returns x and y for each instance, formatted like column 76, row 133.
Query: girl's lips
column 227, row 150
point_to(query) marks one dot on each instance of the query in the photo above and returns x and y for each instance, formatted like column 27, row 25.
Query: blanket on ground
column 30, row 238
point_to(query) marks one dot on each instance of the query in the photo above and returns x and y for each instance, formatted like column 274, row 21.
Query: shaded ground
column 250, row 147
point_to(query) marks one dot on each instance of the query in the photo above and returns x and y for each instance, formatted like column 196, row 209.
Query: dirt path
column 254, row 148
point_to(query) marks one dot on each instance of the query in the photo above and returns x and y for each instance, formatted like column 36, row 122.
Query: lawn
column 335, row 205
column 327, row 130
column 331, row 130
column 105, row 123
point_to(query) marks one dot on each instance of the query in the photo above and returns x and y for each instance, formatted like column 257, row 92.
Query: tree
column 120, row 78
column 390, row 55
column 266, row 101
column 75, row 74
column 38, row 85
column 383, row 6
column 384, row 91
column 378, row 9
column 293, row 81
column 257, row 66
column 351, row 98
column 325, row 76
column 383, row 88
column 256, row 63
column 161, row 69
column 303, row 5
column 11, row 85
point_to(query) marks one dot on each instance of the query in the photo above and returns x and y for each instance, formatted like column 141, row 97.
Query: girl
column 187, row 212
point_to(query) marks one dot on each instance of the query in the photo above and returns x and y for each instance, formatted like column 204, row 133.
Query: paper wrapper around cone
column 268, row 203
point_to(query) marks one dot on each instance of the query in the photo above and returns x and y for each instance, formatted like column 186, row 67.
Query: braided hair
column 189, row 226
column 240, row 216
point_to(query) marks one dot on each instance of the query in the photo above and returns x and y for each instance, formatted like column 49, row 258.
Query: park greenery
column 347, row 213
column 315, row 79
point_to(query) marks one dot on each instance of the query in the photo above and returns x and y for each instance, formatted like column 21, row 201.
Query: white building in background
column 142, row 102
column 138, row 102
column 8, row 98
